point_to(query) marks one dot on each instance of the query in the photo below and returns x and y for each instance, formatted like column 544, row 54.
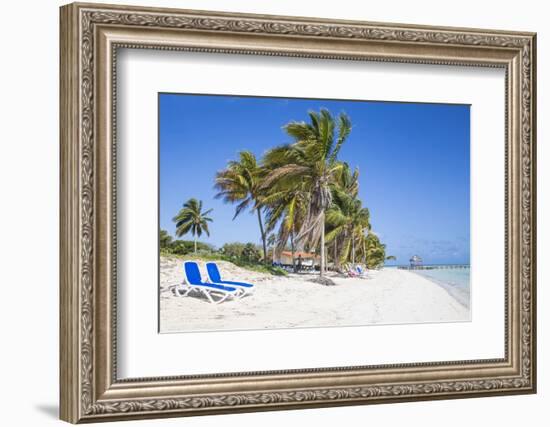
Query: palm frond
column 344, row 129
column 285, row 172
column 300, row 131
column 242, row 206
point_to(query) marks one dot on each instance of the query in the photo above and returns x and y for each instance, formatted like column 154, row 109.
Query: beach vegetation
column 287, row 209
column 251, row 253
column 241, row 183
column 244, row 251
column 309, row 166
column 242, row 262
column 373, row 251
column 305, row 199
column 232, row 250
column 180, row 247
column 184, row 247
column 348, row 223
column 165, row 240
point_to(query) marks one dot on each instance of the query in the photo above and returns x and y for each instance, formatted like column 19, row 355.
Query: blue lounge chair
column 215, row 293
column 215, row 277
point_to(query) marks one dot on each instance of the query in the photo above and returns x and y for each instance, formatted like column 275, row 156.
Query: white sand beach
column 388, row 296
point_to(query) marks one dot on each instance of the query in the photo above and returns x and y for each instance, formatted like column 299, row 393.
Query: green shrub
column 239, row 262
column 165, row 239
column 184, row 247
column 232, row 250
column 251, row 253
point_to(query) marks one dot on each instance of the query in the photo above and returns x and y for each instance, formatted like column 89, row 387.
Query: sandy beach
column 388, row 296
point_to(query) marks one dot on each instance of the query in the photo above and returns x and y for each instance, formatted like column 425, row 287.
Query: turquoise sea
column 456, row 281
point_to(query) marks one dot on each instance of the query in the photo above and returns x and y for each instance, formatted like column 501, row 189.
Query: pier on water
column 433, row 267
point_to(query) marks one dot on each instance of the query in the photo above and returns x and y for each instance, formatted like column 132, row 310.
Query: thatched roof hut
column 306, row 258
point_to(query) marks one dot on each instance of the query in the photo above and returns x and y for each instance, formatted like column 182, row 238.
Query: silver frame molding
column 90, row 37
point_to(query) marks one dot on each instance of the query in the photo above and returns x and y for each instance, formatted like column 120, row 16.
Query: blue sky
column 414, row 162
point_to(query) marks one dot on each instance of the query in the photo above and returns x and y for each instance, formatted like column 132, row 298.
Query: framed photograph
column 266, row 212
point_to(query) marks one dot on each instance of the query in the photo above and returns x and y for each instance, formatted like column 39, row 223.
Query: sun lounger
column 215, row 277
column 362, row 272
column 215, row 293
column 349, row 270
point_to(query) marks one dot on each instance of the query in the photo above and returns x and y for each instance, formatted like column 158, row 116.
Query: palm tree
column 372, row 250
column 241, row 182
column 192, row 219
column 345, row 191
column 286, row 208
column 347, row 181
column 310, row 164
column 271, row 241
column 348, row 220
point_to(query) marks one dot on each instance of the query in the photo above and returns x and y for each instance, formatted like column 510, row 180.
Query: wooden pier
column 433, row 267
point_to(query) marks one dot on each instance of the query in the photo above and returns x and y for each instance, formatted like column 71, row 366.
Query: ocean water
column 456, row 281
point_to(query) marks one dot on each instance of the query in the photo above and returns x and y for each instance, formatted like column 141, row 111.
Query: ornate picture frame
column 90, row 37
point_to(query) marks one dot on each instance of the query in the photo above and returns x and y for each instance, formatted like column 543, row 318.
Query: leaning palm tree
column 310, row 164
column 241, row 183
column 372, row 250
column 339, row 215
column 192, row 219
column 360, row 223
column 347, row 181
column 348, row 221
column 287, row 209
column 271, row 242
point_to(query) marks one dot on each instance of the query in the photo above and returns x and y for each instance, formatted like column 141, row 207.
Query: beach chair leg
column 242, row 293
column 222, row 299
column 208, row 296
column 182, row 291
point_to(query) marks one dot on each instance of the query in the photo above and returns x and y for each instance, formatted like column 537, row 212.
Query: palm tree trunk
column 195, row 238
column 322, row 266
column 336, row 263
column 262, row 232
column 292, row 250
column 352, row 249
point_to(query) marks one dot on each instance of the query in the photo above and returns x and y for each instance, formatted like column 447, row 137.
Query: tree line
column 304, row 197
